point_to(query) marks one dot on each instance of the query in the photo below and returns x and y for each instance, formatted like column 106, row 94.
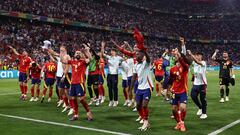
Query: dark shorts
column 49, row 81
column 100, row 79
column 179, row 98
column 129, row 80
column 66, row 83
column 135, row 87
column 76, row 90
column 92, row 80
column 224, row 81
column 166, row 82
column 159, row 78
column 143, row 95
column 36, row 81
column 22, row 77
column 124, row 83
column 58, row 81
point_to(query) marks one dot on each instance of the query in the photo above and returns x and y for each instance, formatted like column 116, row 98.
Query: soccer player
column 145, row 86
column 49, row 69
column 77, row 89
column 179, row 77
column 125, row 70
column 93, row 76
column 24, row 63
column 159, row 74
column 199, row 83
column 225, row 73
column 35, row 71
column 101, row 79
column 112, row 78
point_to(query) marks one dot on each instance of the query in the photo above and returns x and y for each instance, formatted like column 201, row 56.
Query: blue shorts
column 129, row 80
column 49, row 81
column 159, row 78
column 76, row 90
column 100, row 79
column 166, row 82
column 65, row 84
column 22, row 77
column 58, row 81
column 180, row 98
column 124, row 83
column 143, row 95
column 135, row 87
column 36, row 81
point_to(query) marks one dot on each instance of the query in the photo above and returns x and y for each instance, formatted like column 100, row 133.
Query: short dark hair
column 199, row 53
column 225, row 52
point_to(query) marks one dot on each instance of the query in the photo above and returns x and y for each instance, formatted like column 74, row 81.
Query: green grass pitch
column 120, row 119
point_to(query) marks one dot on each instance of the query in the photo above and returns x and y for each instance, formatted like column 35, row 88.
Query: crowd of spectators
column 30, row 35
column 106, row 13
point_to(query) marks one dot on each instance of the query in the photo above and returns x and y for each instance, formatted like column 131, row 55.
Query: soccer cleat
column 74, row 118
column 199, row 112
column 182, row 127
column 32, row 99
column 221, row 100
column 64, row 105
column 21, row 97
column 110, row 104
column 70, row 111
column 115, row 103
column 42, row 99
column 145, row 126
column 91, row 101
column 60, row 103
column 141, row 121
column 227, row 99
column 177, row 127
column 36, row 99
column 24, row 97
column 129, row 103
column 89, row 116
column 97, row 102
column 126, row 103
column 102, row 100
column 134, row 109
column 49, row 100
column 172, row 117
column 203, row 116
column 139, row 118
column 65, row 109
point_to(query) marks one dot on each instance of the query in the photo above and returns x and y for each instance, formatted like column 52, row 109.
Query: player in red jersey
column 35, row 71
column 179, row 77
column 50, row 69
column 101, row 79
column 24, row 63
column 77, row 90
column 159, row 74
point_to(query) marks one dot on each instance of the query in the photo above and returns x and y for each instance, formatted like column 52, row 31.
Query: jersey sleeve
column 218, row 60
column 183, row 63
column 69, row 62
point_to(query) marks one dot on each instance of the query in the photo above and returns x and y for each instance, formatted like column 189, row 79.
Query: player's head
column 199, row 56
column 135, row 48
column 113, row 52
column 225, row 55
column 140, row 55
column 46, row 58
column 34, row 64
column 63, row 49
column 24, row 53
column 77, row 55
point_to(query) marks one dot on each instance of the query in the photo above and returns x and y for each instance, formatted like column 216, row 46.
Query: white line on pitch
column 225, row 127
column 9, row 93
column 62, row 124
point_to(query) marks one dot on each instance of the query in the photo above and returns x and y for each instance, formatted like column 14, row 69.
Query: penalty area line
column 225, row 127
column 14, row 93
column 63, row 124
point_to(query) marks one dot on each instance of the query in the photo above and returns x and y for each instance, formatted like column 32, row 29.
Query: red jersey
column 24, row 63
column 159, row 71
column 179, row 76
column 102, row 64
column 35, row 72
column 78, row 70
column 50, row 69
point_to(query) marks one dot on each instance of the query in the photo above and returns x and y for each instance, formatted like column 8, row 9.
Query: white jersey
column 113, row 63
column 59, row 67
column 143, row 71
column 200, row 73
column 130, row 63
column 125, row 70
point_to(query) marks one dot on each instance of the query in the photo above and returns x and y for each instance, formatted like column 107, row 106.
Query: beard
column 78, row 57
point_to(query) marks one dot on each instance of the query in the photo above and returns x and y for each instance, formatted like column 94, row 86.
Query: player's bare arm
column 215, row 54
column 194, row 58
column 14, row 50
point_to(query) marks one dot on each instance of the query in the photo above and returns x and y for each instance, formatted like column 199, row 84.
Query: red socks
column 32, row 91
column 84, row 104
column 157, row 87
column 75, row 107
column 183, row 115
column 50, row 92
column 125, row 94
column 71, row 103
column 65, row 99
column 22, row 88
column 101, row 90
column 145, row 111
column 38, row 92
column 25, row 89
column 44, row 91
